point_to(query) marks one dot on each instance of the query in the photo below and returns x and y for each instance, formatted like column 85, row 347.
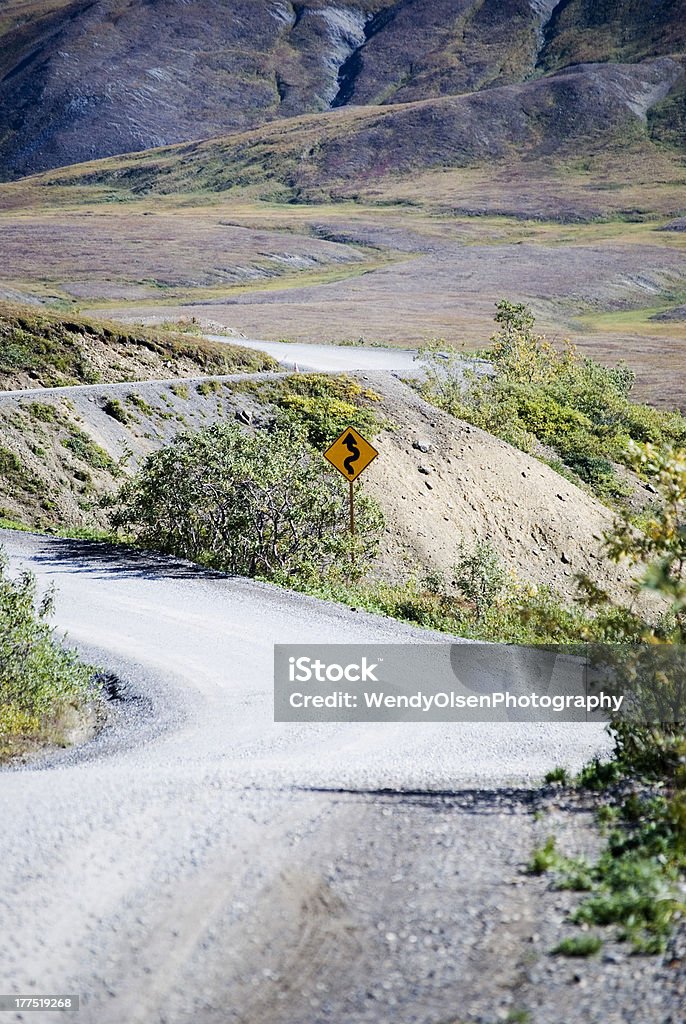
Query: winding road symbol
column 350, row 444
column 350, row 454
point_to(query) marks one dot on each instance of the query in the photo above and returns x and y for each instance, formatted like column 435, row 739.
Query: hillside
column 593, row 108
column 61, row 453
column 81, row 79
column 42, row 349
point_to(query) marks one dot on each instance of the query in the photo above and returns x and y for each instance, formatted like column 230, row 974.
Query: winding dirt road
column 199, row 862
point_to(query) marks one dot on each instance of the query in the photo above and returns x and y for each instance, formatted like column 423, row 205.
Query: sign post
column 350, row 454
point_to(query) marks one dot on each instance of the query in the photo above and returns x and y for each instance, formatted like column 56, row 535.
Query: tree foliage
column 38, row 677
column 262, row 504
column 535, row 393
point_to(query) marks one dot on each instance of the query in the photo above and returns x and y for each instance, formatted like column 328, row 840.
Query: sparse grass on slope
column 587, row 109
column 43, row 349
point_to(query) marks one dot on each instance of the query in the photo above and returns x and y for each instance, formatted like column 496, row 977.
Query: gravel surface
column 200, row 863
column 324, row 358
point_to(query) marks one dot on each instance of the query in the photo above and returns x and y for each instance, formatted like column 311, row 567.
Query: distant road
column 201, row 863
column 324, row 358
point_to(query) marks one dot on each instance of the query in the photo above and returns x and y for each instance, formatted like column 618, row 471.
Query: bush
column 480, row 576
column 263, row 504
column 42, row 411
column 324, row 406
column 636, row 884
column 38, row 678
column 116, row 410
column 85, row 448
column 580, row 409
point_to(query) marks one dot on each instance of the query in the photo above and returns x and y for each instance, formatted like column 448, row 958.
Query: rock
column 564, row 557
column 424, row 469
column 674, row 225
column 420, row 446
column 244, row 415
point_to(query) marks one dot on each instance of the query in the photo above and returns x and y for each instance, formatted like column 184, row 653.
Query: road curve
column 168, row 854
column 332, row 358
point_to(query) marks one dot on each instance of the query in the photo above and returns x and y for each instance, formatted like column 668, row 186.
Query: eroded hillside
column 83, row 79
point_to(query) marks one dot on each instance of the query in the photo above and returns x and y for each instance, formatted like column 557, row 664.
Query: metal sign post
column 352, row 510
column 350, row 454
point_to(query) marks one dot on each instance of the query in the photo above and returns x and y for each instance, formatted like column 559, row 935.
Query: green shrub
column 580, row 409
column 116, row 410
column 209, row 387
column 636, row 884
column 85, row 448
column 133, row 398
column 480, row 576
column 16, row 474
column 42, row 411
column 262, row 504
column 38, row 678
column 557, row 776
column 579, row 945
column 323, row 406
column 544, row 858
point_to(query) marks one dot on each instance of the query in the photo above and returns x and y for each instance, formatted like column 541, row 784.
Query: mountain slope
column 588, row 108
column 82, row 79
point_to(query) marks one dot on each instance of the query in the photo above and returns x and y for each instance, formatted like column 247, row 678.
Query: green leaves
column 538, row 394
column 37, row 676
column 256, row 504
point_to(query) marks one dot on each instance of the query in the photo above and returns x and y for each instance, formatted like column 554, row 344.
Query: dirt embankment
column 440, row 481
column 43, row 349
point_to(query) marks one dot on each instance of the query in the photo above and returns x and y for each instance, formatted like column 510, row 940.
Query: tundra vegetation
column 39, row 348
column 552, row 403
column 259, row 504
column 637, row 883
column 321, row 404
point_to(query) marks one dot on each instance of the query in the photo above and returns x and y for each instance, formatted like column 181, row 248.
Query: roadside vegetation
column 568, row 409
column 44, row 688
column 260, row 504
column 39, row 348
column 321, row 404
column 637, row 885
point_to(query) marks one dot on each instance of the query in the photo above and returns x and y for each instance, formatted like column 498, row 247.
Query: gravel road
column 331, row 358
column 198, row 862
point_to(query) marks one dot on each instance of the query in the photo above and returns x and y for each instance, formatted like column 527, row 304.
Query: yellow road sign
column 350, row 454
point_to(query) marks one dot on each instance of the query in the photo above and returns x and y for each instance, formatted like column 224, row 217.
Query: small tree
column 480, row 576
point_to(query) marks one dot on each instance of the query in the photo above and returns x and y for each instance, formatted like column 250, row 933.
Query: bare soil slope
column 443, row 482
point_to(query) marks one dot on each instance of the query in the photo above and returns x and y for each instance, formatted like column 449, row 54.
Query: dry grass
column 43, row 349
column 408, row 260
